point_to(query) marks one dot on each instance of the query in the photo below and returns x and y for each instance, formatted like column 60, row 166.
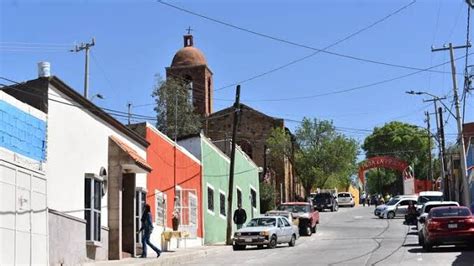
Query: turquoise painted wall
column 216, row 176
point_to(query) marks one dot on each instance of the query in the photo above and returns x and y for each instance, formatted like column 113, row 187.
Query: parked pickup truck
column 308, row 218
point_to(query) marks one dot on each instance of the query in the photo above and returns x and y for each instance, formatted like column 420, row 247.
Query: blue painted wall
column 21, row 132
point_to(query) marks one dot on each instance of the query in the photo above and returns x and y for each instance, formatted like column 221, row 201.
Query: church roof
column 188, row 55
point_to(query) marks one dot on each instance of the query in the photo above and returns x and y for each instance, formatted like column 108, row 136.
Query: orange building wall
column 160, row 155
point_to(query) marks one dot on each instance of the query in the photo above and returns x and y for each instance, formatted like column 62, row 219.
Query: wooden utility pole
column 465, row 196
column 232, row 166
column 442, row 151
column 129, row 113
column 86, row 47
column 429, row 147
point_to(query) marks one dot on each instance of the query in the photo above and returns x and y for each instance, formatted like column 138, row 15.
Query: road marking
column 358, row 217
column 419, row 259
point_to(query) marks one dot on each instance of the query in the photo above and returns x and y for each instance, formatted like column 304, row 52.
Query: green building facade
column 215, row 185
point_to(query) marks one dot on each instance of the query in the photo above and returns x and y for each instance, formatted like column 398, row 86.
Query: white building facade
column 94, row 166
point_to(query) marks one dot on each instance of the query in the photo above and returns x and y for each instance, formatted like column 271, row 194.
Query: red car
column 448, row 225
column 307, row 216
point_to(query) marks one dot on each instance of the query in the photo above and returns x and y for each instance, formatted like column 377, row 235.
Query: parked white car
column 265, row 231
column 396, row 207
column 426, row 196
column 425, row 211
column 345, row 199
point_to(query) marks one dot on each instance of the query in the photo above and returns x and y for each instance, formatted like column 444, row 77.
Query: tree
column 323, row 156
column 174, row 108
column 379, row 179
column 403, row 141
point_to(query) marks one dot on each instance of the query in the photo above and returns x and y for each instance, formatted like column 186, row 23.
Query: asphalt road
column 351, row 236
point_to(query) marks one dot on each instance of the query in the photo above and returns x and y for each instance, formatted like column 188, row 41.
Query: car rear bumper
column 452, row 238
column 346, row 203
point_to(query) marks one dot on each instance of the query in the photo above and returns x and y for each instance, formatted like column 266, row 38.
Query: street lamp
column 97, row 95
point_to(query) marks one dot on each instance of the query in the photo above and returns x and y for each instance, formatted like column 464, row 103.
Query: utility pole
column 442, row 153
column 427, row 120
column 465, row 200
column 232, row 165
column 129, row 108
column 86, row 47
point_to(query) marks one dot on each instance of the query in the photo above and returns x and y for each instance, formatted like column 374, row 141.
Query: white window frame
column 93, row 210
column 212, row 212
column 163, row 209
column 139, row 191
column 220, row 204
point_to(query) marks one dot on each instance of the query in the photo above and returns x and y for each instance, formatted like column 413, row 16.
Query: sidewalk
column 177, row 256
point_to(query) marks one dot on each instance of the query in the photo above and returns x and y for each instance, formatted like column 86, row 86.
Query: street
column 351, row 236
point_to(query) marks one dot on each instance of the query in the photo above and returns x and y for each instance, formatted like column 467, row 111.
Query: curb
column 181, row 258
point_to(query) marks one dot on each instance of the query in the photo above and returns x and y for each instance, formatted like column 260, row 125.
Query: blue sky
column 137, row 39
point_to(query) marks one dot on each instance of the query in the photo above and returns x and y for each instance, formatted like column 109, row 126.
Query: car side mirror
column 422, row 220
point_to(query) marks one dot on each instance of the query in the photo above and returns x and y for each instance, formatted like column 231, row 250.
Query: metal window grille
column 188, row 211
column 222, row 204
column 92, row 210
column 161, row 207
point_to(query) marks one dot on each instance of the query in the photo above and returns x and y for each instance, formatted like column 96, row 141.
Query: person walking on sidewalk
column 240, row 216
column 147, row 229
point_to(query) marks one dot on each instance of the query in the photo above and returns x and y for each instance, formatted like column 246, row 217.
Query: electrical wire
column 318, row 50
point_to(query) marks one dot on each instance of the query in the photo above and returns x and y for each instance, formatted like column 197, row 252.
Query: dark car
column 308, row 218
column 447, row 226
column 325, row 200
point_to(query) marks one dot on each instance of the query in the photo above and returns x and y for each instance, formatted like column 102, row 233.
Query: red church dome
column 188, row 55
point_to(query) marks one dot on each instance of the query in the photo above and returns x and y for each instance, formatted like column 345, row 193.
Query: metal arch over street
column 385, row 162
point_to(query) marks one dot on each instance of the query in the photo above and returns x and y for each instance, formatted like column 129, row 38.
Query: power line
column 318, row 50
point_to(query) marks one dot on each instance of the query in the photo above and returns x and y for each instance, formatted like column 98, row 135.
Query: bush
column 267, row 197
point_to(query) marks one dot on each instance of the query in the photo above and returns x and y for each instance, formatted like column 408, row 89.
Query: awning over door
column 139, row 164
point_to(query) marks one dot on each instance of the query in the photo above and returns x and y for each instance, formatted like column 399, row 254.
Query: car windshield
column 344, row 195
column 424, row 199
column 393, row 202
column 429, row 207
column 450, row 212
column 262, row 222
column 294, row 208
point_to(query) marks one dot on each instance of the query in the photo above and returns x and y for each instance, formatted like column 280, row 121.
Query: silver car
column 345, row 199
column 397, row 207
column 265, row 231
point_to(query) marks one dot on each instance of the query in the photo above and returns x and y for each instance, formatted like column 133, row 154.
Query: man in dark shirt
column 240, row 216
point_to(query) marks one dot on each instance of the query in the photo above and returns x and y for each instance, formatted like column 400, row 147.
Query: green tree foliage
column 323, row 158
column 172, row 97
column 403, row 141
column 378, row 180
column 267, row 197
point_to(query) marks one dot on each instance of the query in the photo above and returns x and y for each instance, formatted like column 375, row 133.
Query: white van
column 426, row 196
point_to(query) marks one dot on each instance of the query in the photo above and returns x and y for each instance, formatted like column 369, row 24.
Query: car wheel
column 238, row 247
column 313, row 229
column 292, row 241
column 390, row 215
column 427, row 246
column 420, row 239
column 273, row 242
column 337, row 207
column 308, row 230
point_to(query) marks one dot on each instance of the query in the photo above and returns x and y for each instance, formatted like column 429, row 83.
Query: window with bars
column 210, row 199
column 92, row 206
column 222, row 203
column 239, row 197
column 140, row 201
column 161, row 207
column 192, row 209
column 253, row 195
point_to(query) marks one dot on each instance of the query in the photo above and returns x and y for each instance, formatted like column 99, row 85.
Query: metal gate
column 188, row 211
column 23, row 216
